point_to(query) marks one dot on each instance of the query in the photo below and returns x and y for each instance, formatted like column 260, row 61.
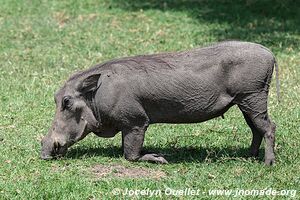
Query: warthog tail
column 277, row 79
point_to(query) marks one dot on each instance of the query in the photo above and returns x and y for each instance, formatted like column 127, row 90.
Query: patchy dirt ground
column 120, row 171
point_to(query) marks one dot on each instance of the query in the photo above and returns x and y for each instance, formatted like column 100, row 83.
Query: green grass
column 43, row 42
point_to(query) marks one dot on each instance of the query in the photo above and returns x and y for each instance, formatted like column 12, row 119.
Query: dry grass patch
column 120, row 171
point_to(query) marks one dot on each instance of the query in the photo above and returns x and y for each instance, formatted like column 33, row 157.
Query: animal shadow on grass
column 172, row 154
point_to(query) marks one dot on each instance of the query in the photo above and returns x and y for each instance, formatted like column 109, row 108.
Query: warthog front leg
column 132, row 143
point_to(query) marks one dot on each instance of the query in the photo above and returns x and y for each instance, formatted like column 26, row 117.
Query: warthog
column 127, row 95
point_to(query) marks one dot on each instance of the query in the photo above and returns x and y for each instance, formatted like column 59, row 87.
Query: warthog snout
column 52, row 148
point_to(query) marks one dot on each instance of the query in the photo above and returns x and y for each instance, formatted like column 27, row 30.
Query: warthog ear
column 89, row 84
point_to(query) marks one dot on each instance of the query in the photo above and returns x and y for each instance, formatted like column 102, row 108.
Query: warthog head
column 74, row 117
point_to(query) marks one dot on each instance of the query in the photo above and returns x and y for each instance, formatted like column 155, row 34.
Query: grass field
column 43, row 42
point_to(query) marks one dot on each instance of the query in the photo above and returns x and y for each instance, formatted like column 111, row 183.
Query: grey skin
column 127, row 95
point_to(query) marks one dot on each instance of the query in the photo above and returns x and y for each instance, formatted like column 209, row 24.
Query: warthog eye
column 67, row 102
